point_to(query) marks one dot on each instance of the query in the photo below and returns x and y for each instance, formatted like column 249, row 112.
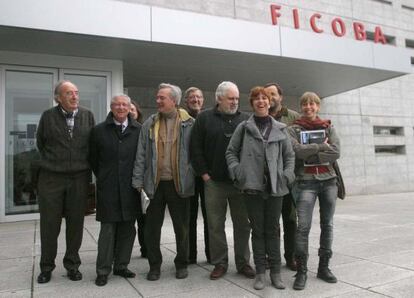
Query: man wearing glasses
column 62, row 140
column 113, row 146
column 194, row 100
column 162, row 169
column 209, row 140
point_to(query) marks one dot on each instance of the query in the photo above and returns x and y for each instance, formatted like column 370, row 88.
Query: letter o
column 342, row 30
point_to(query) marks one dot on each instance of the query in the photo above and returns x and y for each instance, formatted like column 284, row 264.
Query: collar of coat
column 131, row 122
column 185, row 119
column 276, row 134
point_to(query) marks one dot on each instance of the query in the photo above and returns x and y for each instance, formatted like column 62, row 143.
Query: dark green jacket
column 287, row 116
column 61, row 153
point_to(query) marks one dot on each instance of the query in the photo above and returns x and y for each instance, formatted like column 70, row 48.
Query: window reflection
column 28, row 94
column 93, row 93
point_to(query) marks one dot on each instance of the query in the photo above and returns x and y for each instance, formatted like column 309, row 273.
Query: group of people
column 219, row 157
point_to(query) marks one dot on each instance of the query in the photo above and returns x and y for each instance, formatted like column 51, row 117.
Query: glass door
column 94, row 88
column 27, row 92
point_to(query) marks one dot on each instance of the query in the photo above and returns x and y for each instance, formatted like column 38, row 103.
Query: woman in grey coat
column 261, row 163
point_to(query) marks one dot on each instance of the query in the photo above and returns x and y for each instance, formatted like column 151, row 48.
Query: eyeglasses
column 118, row 105
column 195, row 96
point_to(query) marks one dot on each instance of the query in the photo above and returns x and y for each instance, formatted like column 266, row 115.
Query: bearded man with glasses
column 210, row 137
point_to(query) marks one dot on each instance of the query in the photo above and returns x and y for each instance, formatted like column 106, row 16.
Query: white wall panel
column 188, row 28
column 95, row 17
column 325, row 48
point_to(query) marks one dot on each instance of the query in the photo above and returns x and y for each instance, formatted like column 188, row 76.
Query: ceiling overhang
column 187, row 48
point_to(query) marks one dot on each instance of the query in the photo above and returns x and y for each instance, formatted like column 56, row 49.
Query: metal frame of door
column 58, row 74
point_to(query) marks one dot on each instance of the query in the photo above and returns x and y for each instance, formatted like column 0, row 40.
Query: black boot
column 324, row 272
column 301, row 277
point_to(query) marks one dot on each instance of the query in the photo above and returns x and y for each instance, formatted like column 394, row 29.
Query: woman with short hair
column 261, row 162
column 317, row 147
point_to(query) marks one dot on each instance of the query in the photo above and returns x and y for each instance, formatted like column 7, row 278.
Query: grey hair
column 58, row 86
column 121, row 95
column 222, row 89
column 175, row 91
column 191, row 90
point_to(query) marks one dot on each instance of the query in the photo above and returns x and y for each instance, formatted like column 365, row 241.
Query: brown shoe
column 219, row 271
column 247, row 271
column 291, row 264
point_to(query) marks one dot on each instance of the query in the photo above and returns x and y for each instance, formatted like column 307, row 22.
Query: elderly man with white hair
column 113, row 146
column 210, row 137
column 162, row 169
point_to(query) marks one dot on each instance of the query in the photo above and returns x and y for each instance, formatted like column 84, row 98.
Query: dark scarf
column 318, row 123
column 264, row 124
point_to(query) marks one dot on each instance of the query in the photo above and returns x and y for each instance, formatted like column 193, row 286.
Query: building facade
column 358, row 55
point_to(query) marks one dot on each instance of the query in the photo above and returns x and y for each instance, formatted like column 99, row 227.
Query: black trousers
column 179, row 211
column 264, row 214
column 61, row 196
column 141, row 234
column 116, row 240
column 199, row 193
column 289, row 226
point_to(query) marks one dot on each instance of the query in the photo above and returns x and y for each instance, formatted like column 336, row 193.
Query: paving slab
column 15, row 280
column 118, row 287
column 367, row 274
column 16, row 251
column 16, row 265
column 373, row 257
column 403, row 259
column 16, row 294
column 401, row 288
column 229, row 291
column 169, row 285
column 13, row 227
column 361, row 293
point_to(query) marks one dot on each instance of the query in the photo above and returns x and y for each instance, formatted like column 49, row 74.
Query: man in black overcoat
column 113, row 146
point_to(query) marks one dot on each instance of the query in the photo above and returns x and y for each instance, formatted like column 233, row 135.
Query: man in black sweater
column 62, row 140
column 209, row 140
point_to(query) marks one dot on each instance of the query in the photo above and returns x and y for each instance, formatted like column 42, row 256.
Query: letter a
column 379, row 36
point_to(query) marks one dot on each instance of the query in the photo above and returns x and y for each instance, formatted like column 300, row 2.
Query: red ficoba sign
column 337, row 25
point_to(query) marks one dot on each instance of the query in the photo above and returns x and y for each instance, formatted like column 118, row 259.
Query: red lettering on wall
column 342, row 29
column 313, row 22
column 296, row 18
column 379, row 36
column 359, row 31
column 338, row 26
column 274, row 11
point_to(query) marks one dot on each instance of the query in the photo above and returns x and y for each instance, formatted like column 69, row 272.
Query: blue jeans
column 309, row 190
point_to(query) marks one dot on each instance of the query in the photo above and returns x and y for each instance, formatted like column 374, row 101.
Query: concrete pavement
column 373, row 257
